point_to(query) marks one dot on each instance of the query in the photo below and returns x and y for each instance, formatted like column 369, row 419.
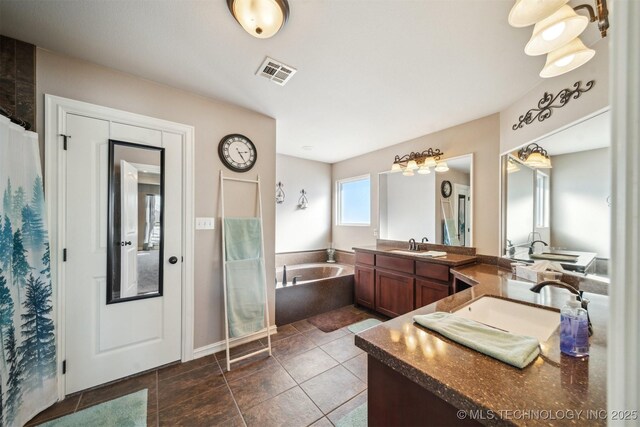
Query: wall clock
column 445, row 189
column 237, row 152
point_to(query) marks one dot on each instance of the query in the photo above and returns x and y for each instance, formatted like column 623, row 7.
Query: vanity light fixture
column 556, row 31
column 422, row 162
column 260, row 18
column 535, row 156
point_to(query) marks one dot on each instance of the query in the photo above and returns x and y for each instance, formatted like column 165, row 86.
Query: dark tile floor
column 314, row 378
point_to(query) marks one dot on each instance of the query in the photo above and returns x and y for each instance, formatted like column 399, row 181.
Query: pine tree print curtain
column 27, row 335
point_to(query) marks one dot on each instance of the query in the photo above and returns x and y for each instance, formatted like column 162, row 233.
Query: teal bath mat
column 125, row 411
column 356, row 328
column 355, row 418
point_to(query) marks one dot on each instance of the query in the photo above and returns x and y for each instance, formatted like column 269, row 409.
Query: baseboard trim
column 220, row 345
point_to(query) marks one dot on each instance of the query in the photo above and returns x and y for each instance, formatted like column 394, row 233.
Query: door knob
column 173, row 260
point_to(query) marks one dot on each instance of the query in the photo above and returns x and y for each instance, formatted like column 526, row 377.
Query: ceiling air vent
column 276, row 71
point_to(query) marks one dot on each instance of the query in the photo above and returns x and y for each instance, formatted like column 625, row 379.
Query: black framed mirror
column 135, row 224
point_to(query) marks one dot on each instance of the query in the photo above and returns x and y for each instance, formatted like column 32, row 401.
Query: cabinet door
column 364, row 286
column 394, row 293
column 428, row 292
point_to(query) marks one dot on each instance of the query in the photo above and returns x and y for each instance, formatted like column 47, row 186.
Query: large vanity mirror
column 135, row 225
column 436, row 205
column 561, row 213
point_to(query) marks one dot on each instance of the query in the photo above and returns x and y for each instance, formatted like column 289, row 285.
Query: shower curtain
column 28, row 369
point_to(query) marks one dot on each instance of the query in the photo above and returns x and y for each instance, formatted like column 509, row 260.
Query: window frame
column 338, row 192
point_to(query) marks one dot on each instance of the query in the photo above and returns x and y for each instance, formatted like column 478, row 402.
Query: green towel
column 245, row 276
column 516, row 350
column 242, row 238
column 245, row 296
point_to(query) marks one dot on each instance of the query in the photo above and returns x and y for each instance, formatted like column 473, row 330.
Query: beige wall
column 481, row 137
column 70, row 78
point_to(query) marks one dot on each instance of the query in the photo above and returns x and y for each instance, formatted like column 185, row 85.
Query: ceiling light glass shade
column 442, row 167
column 407, row 172
column 430, row 162
column 566, row 58
column 556, row 31
column 537, row 160
column 396, row 167
column 528, row 12
column 424, row 170
column 260, row 18
column 412, row 165
column 512, row 167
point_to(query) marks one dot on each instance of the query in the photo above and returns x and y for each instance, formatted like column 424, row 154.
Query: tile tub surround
column 470, row 380
column 303, row 300
column 303, row 384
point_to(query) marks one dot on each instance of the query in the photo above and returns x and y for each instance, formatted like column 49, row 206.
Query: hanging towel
column 516, row 350
column 245, row 276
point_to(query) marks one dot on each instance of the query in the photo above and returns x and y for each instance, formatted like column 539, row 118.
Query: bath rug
column 355, row 418
column 125, row 411
column 356, row 328
column 336, row 319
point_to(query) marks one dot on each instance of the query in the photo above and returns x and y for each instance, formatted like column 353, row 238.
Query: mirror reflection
column 563, row 213
column 435, row 206
column 136, row 189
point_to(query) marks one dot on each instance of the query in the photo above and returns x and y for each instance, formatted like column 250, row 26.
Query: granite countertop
column 582, row 263
column 470, row 380
column 452, row 260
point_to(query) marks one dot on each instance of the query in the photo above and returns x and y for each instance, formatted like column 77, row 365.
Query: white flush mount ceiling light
column 260, row 18
column 556, row 31
column 566, row 58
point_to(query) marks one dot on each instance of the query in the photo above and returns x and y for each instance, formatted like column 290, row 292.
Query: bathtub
column 320, row 287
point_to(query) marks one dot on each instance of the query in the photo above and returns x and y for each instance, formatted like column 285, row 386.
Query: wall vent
column 276, row 71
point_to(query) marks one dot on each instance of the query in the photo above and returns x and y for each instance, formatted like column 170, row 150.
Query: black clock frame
column 442, row 188
column 224, row 160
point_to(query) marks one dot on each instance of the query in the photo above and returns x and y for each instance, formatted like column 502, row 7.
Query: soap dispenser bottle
column 574, row 329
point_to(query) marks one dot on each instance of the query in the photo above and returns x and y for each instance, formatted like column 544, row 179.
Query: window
column 354, row 201
column 542, row 200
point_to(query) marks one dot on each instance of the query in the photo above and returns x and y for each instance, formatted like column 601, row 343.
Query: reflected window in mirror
column 436, row 205
column 135, row 221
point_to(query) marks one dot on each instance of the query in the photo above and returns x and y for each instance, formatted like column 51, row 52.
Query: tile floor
column 314, row 378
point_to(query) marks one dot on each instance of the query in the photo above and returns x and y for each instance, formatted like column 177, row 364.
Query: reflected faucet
column 583, row 301
column 533, row 243
column 413, row 246
column 284, row 275
column 425, row 240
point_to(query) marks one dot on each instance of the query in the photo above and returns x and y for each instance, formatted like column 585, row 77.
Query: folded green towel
column 516, row 350
column 245, row 296
column 243, row 239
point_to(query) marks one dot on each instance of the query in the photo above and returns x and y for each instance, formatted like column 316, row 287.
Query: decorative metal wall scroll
column 548, row 103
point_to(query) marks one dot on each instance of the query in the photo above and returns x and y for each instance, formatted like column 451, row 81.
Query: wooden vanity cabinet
column 364, row 280
column 394, row 293
column 428, row 291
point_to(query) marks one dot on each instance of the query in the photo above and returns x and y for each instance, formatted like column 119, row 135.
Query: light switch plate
column 205, row 223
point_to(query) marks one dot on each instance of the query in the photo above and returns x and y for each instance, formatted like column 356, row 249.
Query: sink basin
column 426, row 254
column 512, row 317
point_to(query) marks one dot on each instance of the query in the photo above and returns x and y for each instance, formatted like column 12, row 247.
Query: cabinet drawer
column 365, row 258
column 432, row 271
column 393, row 263
column 428, row 292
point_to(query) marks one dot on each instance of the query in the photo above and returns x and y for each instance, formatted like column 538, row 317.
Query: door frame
column 55, row 110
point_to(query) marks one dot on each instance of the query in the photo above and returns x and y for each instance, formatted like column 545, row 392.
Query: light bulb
column 564, row 61
column 554, row 31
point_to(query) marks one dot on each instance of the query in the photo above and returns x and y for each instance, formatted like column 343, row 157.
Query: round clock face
column 237, row 152
column 445, row 189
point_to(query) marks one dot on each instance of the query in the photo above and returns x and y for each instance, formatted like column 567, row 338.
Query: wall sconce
column 535, row 156
column 422, row 162
column 279, row 193
column 556, row 31
column 260, row 18
column 303, row 202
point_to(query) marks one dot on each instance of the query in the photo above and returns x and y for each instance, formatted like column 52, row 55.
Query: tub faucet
column 583, row 301
column 425, row 240
column 533, row 243
column 413, row 246
column 284, row 275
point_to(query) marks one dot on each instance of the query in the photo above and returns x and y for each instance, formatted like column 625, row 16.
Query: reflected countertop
column 470, row 380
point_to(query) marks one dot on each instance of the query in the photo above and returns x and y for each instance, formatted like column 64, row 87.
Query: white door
column 462, row 213
column 129, row 229
column 104, row 341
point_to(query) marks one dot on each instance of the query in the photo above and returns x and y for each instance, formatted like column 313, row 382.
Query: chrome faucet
column 583, row 301
column 533, row 243
column 284, row 275
column 425, row 240
column 413, row 246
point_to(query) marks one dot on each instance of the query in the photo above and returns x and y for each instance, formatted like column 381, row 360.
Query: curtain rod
column 20, row 122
